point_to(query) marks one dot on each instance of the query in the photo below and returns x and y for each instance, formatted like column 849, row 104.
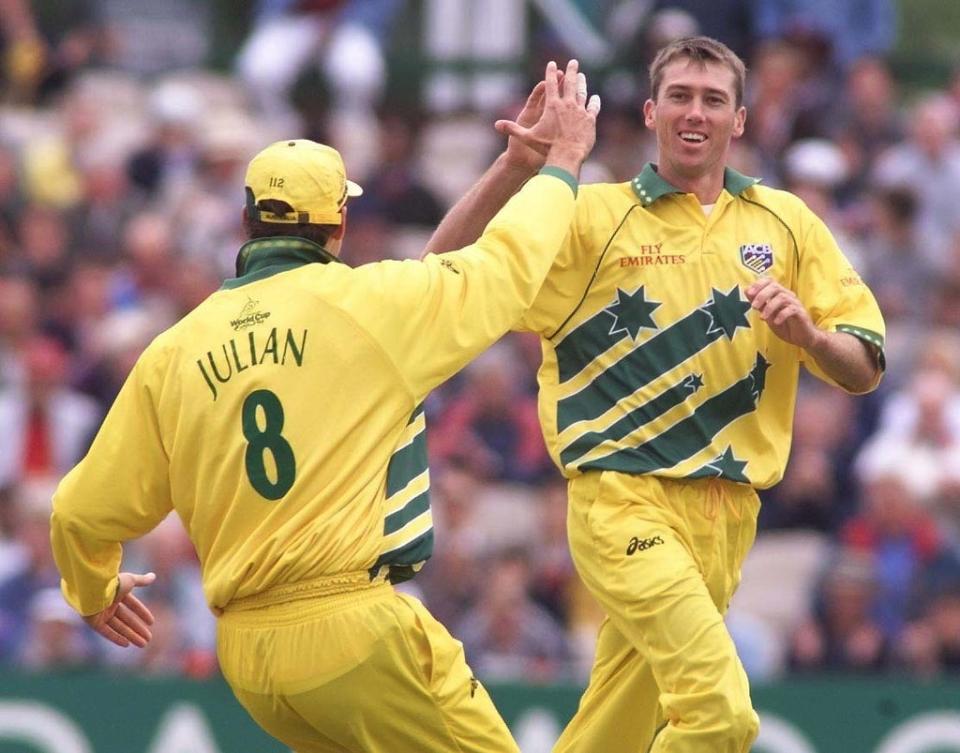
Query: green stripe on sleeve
column 566, row 177
column 868, row 336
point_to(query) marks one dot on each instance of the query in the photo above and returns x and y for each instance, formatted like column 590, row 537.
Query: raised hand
column 566, row 130
column 127, row 620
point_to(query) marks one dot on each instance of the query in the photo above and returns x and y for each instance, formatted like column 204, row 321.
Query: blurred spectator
column 553, row 575
column 43, row 250
column 44, row 44
column 814, row 170
column 107, row 207
column 117, row 342
column 395, row 189
column 11, row 202
column 51, row 158
column 931, row 645
column 729, row 21
column 900, row 536
column 866, row 120
column 492, row 423
column 26, row 563
column 623, row 144
column 842, row 634
column 508, row 636
column 780, row 95
column 48, row 424
column 349, row 37
column 147, row 37
column 892, row 266
column 849, row 29
column 151, row 253
column 167, row 162
column 816, row 493
column 451, row 580
column 56, row 637
column 19, row 317
column 928, row 164
column 919, row 432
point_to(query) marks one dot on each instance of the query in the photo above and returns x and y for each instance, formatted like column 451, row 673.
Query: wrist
column 514, row 169
column 565, row 159
column 818, row 342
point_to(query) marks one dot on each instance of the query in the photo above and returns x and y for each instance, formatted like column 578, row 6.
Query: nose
column 695, row 111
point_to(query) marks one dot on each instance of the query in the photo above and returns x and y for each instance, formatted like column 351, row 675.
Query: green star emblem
column 728, row 466
column 693, row 382
column 631, row 312
column 758, row 375
column 727, row 312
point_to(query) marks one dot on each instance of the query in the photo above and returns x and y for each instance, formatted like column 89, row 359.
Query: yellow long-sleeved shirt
column 654, row 361
column 280, row 418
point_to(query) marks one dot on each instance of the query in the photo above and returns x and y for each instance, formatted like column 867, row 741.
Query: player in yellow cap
column 282, row 421
column 674, row 323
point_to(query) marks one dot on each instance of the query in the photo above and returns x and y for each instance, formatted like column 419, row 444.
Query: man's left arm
column 850, row 361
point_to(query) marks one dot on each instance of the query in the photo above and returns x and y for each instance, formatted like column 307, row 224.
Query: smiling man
column 674, row 322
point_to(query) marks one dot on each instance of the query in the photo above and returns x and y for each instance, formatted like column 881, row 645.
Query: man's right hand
column 518, row 154
column 566, row 130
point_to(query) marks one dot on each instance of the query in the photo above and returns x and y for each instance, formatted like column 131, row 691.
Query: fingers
column 112, row 635
column 762, row 291
column 593, row 106
column 774, row 305
column 139, row 608
column 128, row 626
column 527, row 136
column 571, row 78
column 791, row 309
column 550, row 81
column 510, row 128
column 581, row 88
column 757, row 286
column 129, row 581
column 536, row 96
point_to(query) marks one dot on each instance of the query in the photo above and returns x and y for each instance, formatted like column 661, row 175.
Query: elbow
column 864, row 381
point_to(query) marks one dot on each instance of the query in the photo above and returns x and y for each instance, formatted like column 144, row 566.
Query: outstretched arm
column 525, row 154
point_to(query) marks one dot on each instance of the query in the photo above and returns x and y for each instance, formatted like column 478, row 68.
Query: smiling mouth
column 690, row 137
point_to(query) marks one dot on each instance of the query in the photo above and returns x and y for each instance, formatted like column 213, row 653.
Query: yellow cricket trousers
column 363, row 669
column 663, row 558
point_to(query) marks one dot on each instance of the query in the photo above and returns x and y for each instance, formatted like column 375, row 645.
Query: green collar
column 649, row 186
column 264, row 257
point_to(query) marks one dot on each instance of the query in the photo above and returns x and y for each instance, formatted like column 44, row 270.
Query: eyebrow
column 687, row 88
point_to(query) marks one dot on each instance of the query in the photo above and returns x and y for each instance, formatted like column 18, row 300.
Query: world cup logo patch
column 757, row 257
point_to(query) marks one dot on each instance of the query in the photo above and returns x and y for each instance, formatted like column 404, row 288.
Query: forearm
column 465, row 221
column 846, row 359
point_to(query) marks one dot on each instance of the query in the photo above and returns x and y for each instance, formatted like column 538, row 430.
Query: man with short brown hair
column 673, row 324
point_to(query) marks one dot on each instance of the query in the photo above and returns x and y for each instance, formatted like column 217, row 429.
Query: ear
column 342, row 228
column 649, row 114
column 739, row 121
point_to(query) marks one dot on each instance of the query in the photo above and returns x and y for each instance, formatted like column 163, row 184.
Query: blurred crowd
column 120, row 197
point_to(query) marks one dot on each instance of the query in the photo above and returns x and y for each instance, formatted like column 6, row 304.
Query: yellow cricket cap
column 308, row 176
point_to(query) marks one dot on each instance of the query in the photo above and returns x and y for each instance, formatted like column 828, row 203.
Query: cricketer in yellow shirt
column 281, row 420
column 673, row 325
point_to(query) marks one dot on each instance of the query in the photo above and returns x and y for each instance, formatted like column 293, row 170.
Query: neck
column 706, row 186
